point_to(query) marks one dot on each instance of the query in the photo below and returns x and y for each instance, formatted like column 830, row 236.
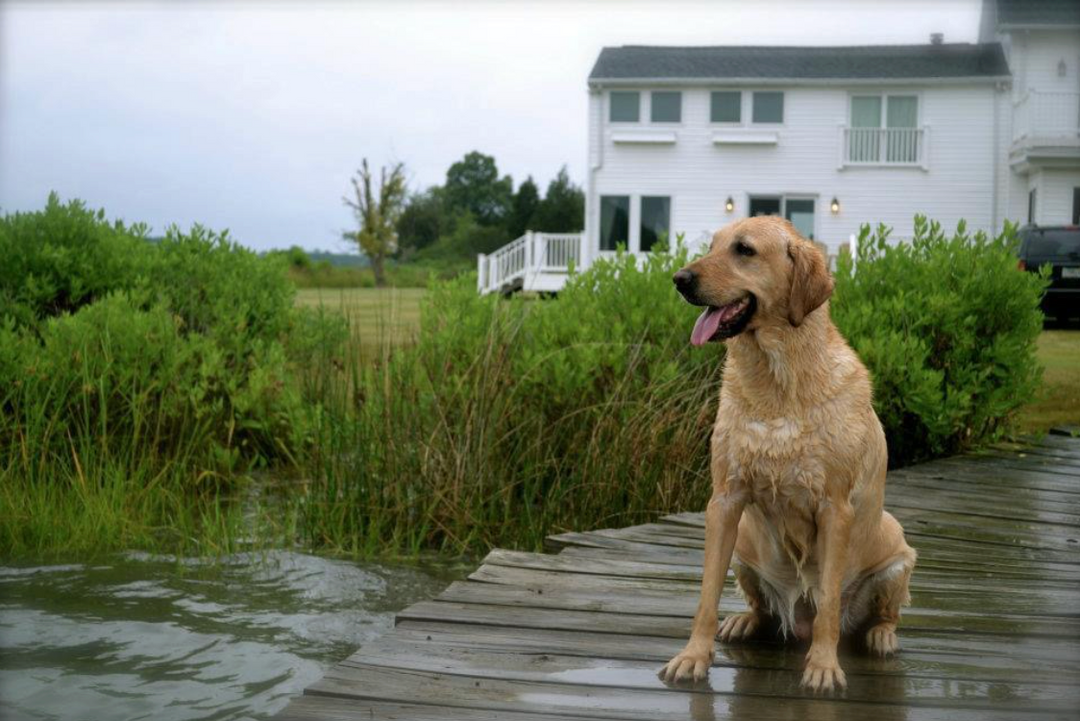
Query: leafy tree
column 563, row 208
column 423, row 220
column 526, row 201
column 377, row 213
column 473, row 185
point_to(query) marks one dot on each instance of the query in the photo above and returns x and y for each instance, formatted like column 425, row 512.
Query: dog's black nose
column 684, row 280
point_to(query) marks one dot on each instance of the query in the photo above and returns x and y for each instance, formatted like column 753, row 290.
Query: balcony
column 883, row 147
column 1046, row 129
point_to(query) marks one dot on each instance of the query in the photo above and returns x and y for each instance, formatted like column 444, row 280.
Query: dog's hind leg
column 890, row 594
column 743, row 625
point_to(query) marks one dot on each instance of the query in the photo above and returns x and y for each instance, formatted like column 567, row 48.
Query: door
column 800, row 211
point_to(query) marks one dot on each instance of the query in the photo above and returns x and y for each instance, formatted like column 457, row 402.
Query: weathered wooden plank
column 604, row 702
column 980, row 611
column 933, row 554
column 509, row 663
column 929, row 656
column 330, row 708
column 648, row 625
column 599, row 565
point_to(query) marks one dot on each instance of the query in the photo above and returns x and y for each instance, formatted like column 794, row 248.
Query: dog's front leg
column 721, row 528
column 823, row 671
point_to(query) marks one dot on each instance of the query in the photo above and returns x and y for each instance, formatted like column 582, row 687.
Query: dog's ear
column 811, row 284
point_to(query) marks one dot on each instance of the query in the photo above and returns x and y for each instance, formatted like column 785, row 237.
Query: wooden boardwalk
column 993, row 631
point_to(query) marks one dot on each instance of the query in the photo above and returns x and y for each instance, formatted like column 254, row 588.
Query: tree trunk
column 377, row 269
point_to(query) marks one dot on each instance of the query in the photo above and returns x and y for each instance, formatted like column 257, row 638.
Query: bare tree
column 377, row 212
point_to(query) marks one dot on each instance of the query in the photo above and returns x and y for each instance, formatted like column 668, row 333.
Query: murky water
column 150, row 637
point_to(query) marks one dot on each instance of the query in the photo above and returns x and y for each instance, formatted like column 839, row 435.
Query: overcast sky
column 251, row 115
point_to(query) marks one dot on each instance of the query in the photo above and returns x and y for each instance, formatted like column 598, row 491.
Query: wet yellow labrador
column 798, row 460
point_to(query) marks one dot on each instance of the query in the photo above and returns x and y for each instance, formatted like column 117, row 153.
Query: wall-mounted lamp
column 1061, row 68
column 834, row 206
column 729, row 206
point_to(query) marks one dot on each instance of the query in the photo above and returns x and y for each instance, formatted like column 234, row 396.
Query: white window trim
column 884, row 95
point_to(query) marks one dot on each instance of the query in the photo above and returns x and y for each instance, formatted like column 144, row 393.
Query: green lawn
column 1059, row 400
column 377, row 315
column 393, row 314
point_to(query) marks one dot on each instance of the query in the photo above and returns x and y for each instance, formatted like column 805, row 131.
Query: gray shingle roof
column 893, row 62
column 1038, row 12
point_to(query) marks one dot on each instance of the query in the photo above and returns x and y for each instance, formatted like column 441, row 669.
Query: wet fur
column 798, row 461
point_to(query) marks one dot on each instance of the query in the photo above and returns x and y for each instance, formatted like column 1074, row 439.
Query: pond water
column 150, row 637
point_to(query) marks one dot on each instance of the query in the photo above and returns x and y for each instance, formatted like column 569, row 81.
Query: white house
column 687, row 139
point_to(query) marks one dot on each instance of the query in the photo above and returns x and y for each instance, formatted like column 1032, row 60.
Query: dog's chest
column 778, row 462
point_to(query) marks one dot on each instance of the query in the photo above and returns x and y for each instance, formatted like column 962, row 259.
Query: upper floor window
column 884, row 129
column 666, row 106
column 725, row 106
column 625, row 106
column 768, row 107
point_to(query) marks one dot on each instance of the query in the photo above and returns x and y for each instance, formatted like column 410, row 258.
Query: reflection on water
column 142, row 636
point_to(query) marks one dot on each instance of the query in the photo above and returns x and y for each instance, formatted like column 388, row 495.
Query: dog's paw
column 691, row 664
column 823, row 674
column 881, row 639
column 739, row 626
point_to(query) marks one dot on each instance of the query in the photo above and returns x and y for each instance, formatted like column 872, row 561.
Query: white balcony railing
column 1046, row 115
column 531, row 260
column 884, row 146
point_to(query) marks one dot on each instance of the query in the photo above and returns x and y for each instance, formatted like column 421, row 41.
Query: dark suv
column 1058, row 245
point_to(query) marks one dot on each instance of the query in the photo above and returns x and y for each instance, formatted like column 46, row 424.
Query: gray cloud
column 251, row 116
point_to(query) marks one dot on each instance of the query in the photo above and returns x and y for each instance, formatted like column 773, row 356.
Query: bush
column 512, row 419
column 183, row 348
column 947, row 327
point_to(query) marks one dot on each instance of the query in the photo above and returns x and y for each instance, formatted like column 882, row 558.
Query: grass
column 377, row 316
column 1059, row 401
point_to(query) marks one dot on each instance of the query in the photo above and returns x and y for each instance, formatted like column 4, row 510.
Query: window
column 666, row 107
column 768, row 107
column 764, row 206
column 1031, row 206
column 655, row 222
column 625, row 107
column 884, row 128
column 725, row 107
column 614, row 221
column 1076, row 206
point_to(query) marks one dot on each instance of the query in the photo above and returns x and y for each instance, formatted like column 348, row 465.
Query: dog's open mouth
column 725, row 321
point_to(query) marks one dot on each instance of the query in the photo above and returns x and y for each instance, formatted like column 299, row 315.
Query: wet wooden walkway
column 993, row 631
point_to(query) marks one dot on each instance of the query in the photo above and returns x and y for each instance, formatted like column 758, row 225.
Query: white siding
column 1034, row 58
column 1054, row 203
column 700, row 176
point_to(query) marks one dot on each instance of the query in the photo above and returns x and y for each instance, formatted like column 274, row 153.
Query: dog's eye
column 742, row 248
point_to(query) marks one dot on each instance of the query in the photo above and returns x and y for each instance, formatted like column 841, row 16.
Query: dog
column 798, row 460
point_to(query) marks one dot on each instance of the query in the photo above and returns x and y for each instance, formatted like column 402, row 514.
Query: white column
column 481, row 266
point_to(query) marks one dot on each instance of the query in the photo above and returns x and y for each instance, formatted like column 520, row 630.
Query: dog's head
column 757, row 271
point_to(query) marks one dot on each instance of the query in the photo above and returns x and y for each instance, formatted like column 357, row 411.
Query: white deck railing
column 883, row 146
column 1041, row 114
column 528, row 259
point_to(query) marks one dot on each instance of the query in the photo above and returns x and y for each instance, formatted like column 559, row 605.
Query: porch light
column 1061, row 68
column 834, row 206
column 729, row 206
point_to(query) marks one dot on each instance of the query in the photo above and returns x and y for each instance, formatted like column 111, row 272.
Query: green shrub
column 512, row 419
column 947, row 327
column 120, row 358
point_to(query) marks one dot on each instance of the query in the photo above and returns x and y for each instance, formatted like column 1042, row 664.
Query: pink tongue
column 706, row 326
